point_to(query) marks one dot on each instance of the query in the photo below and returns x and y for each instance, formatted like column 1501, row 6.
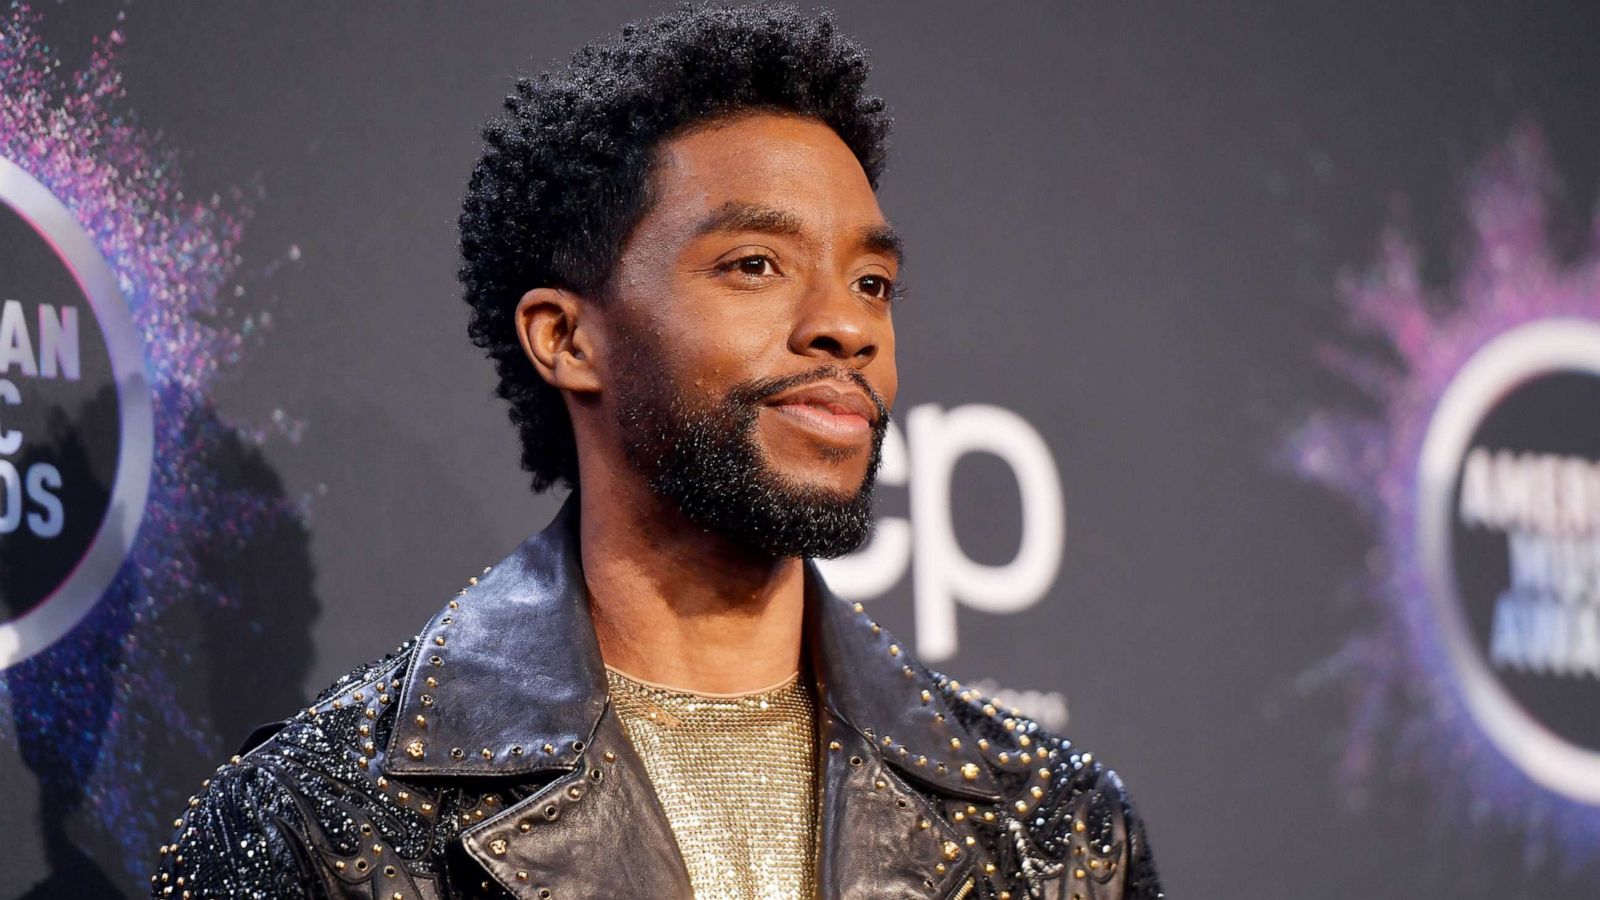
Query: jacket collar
column 507, row 678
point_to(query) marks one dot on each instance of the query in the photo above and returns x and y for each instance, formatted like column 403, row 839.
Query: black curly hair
column 564, row 174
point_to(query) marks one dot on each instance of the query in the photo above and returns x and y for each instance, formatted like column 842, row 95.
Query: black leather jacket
column 481, row 759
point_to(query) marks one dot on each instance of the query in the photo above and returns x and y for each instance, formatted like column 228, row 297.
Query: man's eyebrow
column 736, row 216
column 884, row 239
column 739, row 216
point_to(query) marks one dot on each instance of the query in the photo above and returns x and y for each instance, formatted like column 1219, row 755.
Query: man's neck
column 675, row 605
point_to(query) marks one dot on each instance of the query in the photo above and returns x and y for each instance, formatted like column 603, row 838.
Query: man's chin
column 781, row 518
column 819, row 489
column 731, row 472
column 837, row 472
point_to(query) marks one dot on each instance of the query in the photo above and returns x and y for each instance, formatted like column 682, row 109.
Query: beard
column 703, row 459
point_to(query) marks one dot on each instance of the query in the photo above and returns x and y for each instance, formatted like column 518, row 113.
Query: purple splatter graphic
column 89, row 713
column 1407, row 707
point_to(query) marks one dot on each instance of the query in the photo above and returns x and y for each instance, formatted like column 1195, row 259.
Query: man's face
column 750, row 364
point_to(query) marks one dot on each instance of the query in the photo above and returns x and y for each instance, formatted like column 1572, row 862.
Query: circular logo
column 76, row 429
column 1509, row 530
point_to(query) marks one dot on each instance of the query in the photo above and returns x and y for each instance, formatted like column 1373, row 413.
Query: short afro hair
column 564, row 174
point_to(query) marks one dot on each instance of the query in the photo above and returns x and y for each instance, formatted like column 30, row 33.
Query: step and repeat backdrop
column 1249, row 429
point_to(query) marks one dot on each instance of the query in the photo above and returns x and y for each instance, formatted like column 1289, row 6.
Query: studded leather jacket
column 482, row 760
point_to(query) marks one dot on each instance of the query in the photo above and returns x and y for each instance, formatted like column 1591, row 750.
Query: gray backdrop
column 1126, row 223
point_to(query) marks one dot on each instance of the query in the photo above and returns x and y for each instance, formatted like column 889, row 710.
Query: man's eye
column 876, row 286
column 755, row 265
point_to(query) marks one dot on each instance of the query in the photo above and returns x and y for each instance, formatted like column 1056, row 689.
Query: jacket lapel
column 507, row 678
column 882, row 729
column 506, row 682
column 872, row 682
column 595, row 833
column 878, row 838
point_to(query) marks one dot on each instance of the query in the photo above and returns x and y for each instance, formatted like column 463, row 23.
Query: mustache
column 760, row 390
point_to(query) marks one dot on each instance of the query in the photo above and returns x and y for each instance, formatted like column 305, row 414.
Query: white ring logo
column 65, row 606
column 1549, row 346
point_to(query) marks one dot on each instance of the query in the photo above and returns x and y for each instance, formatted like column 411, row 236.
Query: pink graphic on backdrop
column 96, row 711
column 1407, row 708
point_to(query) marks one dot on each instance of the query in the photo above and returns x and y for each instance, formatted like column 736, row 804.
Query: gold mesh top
column 736, row 776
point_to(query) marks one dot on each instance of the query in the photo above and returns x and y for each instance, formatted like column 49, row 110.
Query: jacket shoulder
column 1064, row 813
column 306, row 808
column 239, row 837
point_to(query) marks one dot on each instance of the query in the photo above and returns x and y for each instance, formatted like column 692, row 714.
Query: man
column 673, row 251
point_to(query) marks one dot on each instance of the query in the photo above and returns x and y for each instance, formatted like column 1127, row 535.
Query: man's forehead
column 765, row 161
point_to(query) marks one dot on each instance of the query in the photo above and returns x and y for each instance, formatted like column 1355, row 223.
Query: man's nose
column 839, row 326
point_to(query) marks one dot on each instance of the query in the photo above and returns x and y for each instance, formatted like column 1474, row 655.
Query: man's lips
column 829, row 408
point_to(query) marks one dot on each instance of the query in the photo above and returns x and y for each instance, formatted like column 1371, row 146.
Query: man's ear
column 561, row 350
